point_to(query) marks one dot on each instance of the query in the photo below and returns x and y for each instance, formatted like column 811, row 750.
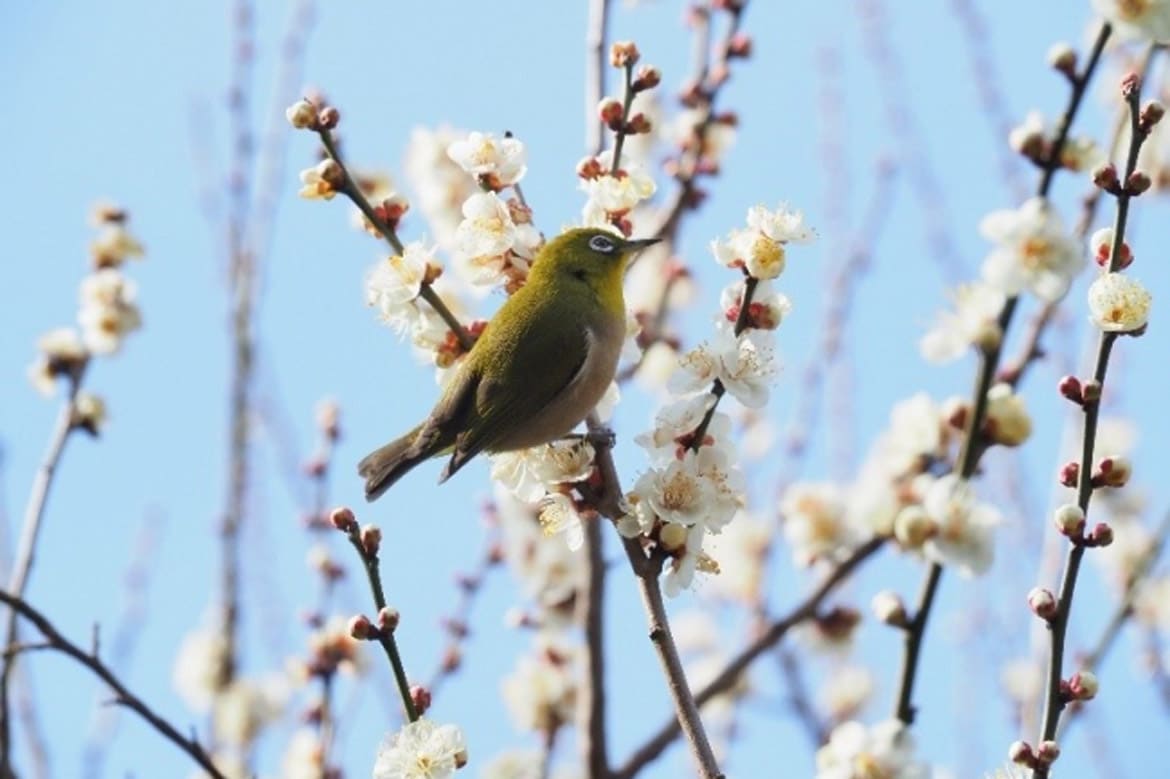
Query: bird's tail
column 387, row 464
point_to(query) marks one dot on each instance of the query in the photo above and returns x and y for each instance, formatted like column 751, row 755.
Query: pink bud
column 371, row 538
column 1070, row 388
column 421, row 698
column 1020, row 753
column 1070, row 474
column 388, row 619
column 360, row 627
column 343, row 519
column 1100, row 535
column 1083, row 686
column 1042, row 603
column 1047, row 752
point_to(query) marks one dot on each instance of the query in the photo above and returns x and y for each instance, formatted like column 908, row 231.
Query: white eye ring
column 599, row 243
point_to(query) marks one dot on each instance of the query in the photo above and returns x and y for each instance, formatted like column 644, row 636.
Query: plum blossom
column 421, row 750
column 761, row 248
column 973, row 322
column 1033, row 251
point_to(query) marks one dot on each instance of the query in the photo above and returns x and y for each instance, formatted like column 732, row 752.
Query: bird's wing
column 531, row 375
column 452, row 414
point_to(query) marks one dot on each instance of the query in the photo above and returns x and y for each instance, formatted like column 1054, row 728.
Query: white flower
column 974, row 322
column 741, row 550
column 689, row 558
column 421, row 750
column 61, row 351
column 1033, row 251
column 616, row 194
column 884, row 750
column 696, row 489
column 1148, row 19
column 1007, row 421
column 304, row 757
column 815, row 523
column 321, row 182
column 745, row 364
column 242, row 710
column 673, row 423
column 760, row 249
column 113, row 246
column 498, row 162
column 549, row 573
column 846, row 691
column 541, row 692
column 200, row 667
column 441, row 185
column 89, row 412
column 916, row 434
column 1035, row 136
column 529, row 473
column 558, row 514
column 108, row 310
column 490, row 241
column 963, row 536
column 1118, row 303
column 766, row 310
column 302, row 114
column 397, row 280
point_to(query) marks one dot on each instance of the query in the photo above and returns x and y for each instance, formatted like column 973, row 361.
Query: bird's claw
column 601, row 437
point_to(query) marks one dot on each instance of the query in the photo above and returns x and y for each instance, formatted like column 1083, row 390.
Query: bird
column 539, row 367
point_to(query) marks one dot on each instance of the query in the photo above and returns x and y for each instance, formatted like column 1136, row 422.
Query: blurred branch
column 595, row 61
column 122, row 696
column 798, row 698
column 1124, row 610
column 34, row 515
column 768, row 638
column 136, row 582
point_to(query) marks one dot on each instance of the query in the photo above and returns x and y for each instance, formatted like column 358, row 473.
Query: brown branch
column 1055, row 699
column 975, row 442
column 34, row 515
column 122, row 696
column 798, row 698
column 768, row 638
column 592, row 734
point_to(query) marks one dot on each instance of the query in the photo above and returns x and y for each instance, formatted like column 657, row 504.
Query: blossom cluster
column 107, row 312
column 693, row 488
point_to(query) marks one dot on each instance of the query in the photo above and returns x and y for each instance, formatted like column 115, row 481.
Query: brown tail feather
column 387, row 464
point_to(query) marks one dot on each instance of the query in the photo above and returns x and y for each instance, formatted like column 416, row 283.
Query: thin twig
column 385, row 637
column 975, row 442
column 768, row 638
column 1055, row 699
column 595, row 39
column 122, row 696
column 798, row 698
column 34, row 515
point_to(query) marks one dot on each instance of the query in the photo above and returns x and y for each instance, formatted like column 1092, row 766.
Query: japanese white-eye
column 538, row 368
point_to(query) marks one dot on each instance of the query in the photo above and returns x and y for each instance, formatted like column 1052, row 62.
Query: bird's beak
column 640, row 244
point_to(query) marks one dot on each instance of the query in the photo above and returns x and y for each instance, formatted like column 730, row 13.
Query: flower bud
column 1131, row 84
column 371, row 538
column 1047, row 752
column 1105, row 177
column 1063, row 58
column 610, row 110
column 331, row 173
column 1070, row 388
column 590, row 168
column 1091, row 392
column 1070, row 474
column 360, row 627
column 672, row 536
column 1020, row 753
column 1152, row 113
column 647, row 77
column 1113, row 471
column 1042, row 603
column 1083, row 686
column 1007, row 422
column 1137, row 183
column 1100, row 535
column 956, row 411
column 302, row 115
column 88, row 413
column 343, row 519
column 388, row 619
column 740, row 45
column 887, row 606
column 1070, row 520
column 624, row 54
column 913, row 526
column 638, row 124
column 329, row 117
column 421, row 698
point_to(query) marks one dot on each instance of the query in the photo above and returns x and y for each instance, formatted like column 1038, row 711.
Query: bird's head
column 588, row 255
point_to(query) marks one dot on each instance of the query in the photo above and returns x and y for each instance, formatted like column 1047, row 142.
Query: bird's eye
column 603, row 244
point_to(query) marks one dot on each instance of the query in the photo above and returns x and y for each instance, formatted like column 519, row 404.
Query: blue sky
column 118, row 100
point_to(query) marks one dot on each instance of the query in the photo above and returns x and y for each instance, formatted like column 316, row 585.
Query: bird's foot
column 601, row 437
